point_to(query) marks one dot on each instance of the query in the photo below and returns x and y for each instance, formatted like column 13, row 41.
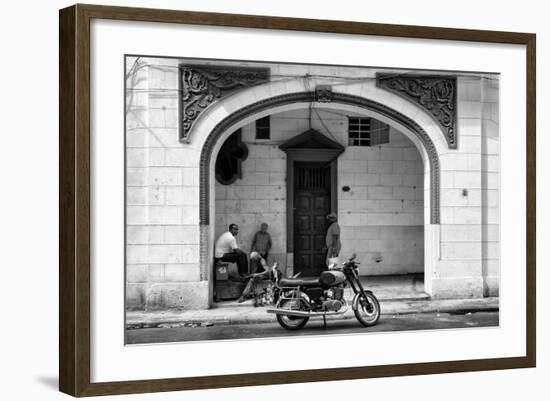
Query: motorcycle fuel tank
column 331, row 277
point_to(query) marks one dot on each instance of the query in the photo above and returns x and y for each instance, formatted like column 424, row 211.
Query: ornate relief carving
column 436, row 94
column 200, row 86
column 323, row 94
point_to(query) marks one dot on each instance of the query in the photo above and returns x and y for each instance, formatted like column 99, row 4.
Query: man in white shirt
column 227, row 250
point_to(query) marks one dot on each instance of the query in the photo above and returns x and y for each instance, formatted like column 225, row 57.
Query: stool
column 225, row 288
column 224, row 270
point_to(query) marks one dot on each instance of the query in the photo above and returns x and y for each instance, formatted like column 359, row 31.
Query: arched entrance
column 232, row 121
column 339, row 101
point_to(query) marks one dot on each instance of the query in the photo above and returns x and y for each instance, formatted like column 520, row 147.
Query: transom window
column 366, row 131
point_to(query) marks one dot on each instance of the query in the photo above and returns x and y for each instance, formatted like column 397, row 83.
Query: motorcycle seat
column 303, row 282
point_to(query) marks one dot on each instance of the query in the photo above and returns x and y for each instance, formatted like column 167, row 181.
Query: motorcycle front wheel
column 367, row 310
column 291, row 322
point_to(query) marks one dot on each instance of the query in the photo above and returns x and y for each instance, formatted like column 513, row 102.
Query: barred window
column 263, row 128
column 366, row 131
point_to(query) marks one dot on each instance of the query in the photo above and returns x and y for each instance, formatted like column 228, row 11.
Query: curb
column 259, row 315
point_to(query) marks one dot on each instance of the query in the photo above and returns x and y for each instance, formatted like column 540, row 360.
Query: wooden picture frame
column 75, row 208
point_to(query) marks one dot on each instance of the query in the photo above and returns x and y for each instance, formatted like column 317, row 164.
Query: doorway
column 312, row 203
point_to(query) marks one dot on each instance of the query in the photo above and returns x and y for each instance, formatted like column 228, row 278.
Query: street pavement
column 234, row 313
column 403, row 303
column 388, row 322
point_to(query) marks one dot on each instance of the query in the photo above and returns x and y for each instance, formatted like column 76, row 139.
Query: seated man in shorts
column 266, row 274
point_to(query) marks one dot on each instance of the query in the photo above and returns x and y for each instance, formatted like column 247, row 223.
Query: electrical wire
column 345, row 80
column 341, row 80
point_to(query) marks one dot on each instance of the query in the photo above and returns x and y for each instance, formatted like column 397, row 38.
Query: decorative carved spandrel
column 436, row 94
column 202, row 85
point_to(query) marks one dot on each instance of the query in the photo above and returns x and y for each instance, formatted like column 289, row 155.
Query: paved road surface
column 421, row 321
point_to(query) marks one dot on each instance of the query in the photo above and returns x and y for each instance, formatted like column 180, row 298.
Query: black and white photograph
column 278, row 200
column 269, row 199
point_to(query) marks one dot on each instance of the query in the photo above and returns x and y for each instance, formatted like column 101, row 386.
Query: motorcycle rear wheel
column 368, row 310
column 291, row 322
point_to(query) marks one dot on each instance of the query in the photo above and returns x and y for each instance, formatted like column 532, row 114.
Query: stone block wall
column 467, row 260
column 260, row 196
column 381, row 216
column 384, row 216
column 490, row 195
column 162, row 195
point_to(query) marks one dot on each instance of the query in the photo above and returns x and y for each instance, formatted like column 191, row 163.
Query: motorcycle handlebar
column 351, row 260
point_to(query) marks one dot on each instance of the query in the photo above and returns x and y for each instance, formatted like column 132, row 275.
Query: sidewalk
column 397, row 295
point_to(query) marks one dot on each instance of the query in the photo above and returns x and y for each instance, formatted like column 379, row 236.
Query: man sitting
column 227, row 250
column 265, row 274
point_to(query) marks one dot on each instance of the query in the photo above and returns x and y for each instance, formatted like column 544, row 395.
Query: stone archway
column 234, row 119
column 346, row 99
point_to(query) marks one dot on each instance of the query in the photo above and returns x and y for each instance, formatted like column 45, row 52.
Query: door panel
column 320, row 223
column 311, row 205
column 321, row 202
column 319, row 260
column 304, row 242
column 302, row 202
column 318, row 241
column 304, row 225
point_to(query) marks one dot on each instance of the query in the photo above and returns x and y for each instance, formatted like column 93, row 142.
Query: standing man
column 261, row 243
column 333, row 237
column 227, row 250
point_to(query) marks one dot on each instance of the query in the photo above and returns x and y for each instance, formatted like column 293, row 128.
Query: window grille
column 263, row 128
column 366, row 131
column 312, row 177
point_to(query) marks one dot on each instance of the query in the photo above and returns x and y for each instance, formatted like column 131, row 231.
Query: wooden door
column 311, row 206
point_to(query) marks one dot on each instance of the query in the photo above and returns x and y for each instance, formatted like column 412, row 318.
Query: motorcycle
column 297, row 299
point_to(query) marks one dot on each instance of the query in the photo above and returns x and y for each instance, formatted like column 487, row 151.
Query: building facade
column 408, row 161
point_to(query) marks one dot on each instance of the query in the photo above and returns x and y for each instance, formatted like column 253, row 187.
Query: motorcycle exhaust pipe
column 298, row 313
